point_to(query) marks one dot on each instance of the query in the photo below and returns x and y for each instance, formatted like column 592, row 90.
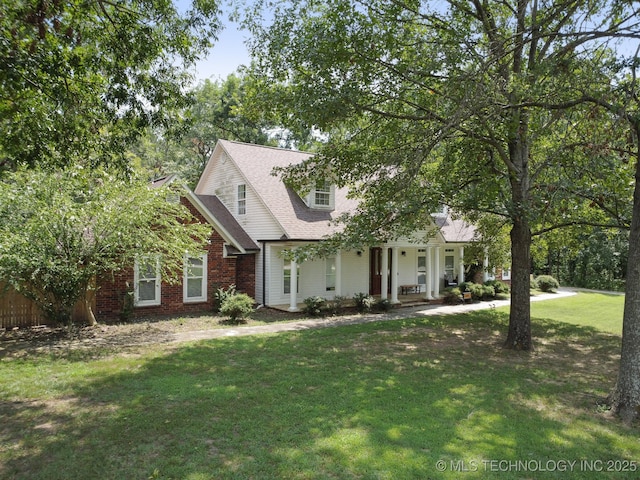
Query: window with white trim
column 506, row 273
column 330, row 274
column 242, row 199
column 322, row 196
column 195, row 279
column 147, row 282
column 422, row 267
column 448, row 268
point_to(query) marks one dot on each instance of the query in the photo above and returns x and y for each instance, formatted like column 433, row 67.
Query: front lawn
column 601, row 311
column 418, row 398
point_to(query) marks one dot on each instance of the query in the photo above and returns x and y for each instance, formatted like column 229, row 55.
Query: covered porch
column 406, row 300
column 403, row 273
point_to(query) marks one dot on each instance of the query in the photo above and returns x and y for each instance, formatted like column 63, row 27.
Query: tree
column 625, row 397
column 424, row 103
column 216, row 113
column 623, row 105
column 588, row 257
column 59, row 231
column 81, row 80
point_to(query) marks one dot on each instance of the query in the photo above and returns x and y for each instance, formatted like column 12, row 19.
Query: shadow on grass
column 382, row 400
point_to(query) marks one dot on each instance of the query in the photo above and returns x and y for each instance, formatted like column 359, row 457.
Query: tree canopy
column 81, row 80
column 216, row 113
column 59, row 231
column 471, row 104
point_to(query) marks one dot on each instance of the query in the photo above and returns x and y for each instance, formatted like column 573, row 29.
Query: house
column 229, row 258
column 277, row 219
column 255, row 220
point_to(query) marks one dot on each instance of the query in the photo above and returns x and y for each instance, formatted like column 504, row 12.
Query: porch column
column 485, row 266
column 461, row 267
column 384, row 287
column 293, row 305
column 338, row 291
column 394, row 275
column 436, row 272
column 429, row 273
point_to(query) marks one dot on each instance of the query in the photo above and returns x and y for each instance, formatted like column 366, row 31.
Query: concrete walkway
column 406, row 312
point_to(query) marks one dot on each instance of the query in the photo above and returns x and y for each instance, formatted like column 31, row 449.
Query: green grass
column 382, row 400
column 600, row 311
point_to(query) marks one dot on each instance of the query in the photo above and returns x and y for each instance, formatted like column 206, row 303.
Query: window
column 442, row 211
column 195, row 279
column 173, row 198
column 147, row 282
column 242, row 199
column 506, row 273
column 448, row 268
column 422, row 269
column 322, row 194
column 330, row 274
column 287, row 278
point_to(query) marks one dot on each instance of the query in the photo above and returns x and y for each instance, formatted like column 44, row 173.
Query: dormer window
column 322, row 196
column 443, row 211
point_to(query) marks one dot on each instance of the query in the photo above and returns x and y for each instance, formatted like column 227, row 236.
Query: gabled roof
column 166, row 180
column 229, row 223
column 454, row 230
column 298, row 221
column 213, row 210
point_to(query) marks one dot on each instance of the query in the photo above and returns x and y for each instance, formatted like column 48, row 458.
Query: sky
column 230, row 51
column 227, row 54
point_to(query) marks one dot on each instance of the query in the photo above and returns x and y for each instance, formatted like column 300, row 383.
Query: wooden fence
column 18, row 311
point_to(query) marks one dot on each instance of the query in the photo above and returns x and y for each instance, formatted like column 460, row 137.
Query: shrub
column 127, row 304
column 547, row 283
column 336, row 305
column 364, row 302
column 383, row 305
column 477, row 290
column 499, row 287
column 314, row 306
column 451, row 296
column 220, row 295
column 488, row 292
column 237, row 307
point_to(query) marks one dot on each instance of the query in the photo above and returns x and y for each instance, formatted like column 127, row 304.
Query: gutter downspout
column 264, row 273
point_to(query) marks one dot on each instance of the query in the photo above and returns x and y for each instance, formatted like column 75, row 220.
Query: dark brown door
column 375, row 270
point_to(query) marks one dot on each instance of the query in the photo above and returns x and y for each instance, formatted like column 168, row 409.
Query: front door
column 375, row 270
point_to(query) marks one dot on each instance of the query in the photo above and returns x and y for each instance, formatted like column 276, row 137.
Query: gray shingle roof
column 300, row 222
column 455, row 230
column 228, row 221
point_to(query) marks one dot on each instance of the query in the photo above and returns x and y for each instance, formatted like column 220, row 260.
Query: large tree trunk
column 519, row 336
column 625, row 398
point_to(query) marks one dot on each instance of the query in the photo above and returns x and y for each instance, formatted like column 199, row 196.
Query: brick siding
column 221, row 272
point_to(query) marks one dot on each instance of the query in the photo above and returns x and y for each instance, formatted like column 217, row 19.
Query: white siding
column 355, row 273
column 354, row 279
column 312, row 280
column 260, row 293
column 222, row 180
column 275, row 276
column 407, row 266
